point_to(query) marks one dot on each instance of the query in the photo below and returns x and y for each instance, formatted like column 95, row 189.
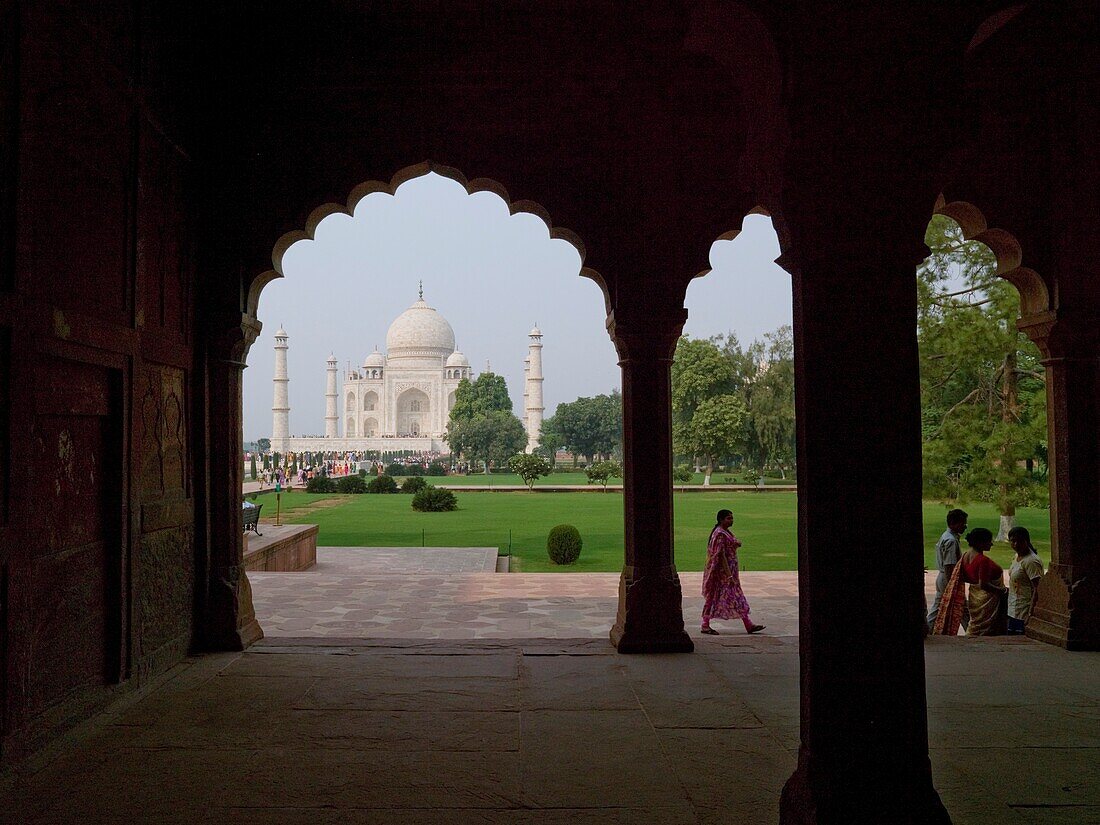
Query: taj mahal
column 402, row 399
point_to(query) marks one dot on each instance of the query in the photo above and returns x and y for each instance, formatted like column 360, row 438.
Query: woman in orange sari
column 723, row 597
column 984, row 597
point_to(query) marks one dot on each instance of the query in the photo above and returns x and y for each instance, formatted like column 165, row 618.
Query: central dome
column 420, row 331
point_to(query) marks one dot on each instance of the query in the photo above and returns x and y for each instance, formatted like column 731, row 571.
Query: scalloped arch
column 402, row 176
column 777, row 224
column 1034, row 295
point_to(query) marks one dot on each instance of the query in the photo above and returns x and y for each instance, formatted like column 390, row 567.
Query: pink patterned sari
column 723, row 597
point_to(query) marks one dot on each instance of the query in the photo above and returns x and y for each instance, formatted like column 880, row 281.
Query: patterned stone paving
column 353, row 593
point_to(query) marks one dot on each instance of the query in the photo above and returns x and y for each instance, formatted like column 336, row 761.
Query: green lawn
column 563, row 479
column 764, row 522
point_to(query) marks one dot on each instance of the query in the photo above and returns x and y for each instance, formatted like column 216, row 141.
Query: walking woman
column 723, row 597
column 1023, row 579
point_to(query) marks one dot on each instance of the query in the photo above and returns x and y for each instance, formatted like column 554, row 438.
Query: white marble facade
column 399, row 400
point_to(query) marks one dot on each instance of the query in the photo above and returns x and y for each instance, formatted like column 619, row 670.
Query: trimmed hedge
column 413, row 484
column 563, row 545
column 382, row 484
column 351, row 484
column 436, row 469
column 395, row 469
column 434, row 500
column 320, row 484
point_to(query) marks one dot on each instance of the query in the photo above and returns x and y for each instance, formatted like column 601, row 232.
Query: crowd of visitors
column 970, row 589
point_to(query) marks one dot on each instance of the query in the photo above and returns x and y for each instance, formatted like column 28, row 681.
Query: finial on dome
column 421, row 289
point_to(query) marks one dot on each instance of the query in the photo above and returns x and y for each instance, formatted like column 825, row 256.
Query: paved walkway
column 350, row 594
column 545, row 733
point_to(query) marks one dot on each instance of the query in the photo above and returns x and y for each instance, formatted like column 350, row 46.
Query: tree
column 263, row 444
column 701, row 373
column 602, row 471
column 716, row 428
column 591, row 427
column 983, row 403
column 769, row 397
column 530, row 467
column 252, row 466
column 482, row 426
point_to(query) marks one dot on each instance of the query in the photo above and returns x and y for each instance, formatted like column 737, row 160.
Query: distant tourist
column 722, row 593
column 985, row 596
column 948, row 553
column 1023, row 579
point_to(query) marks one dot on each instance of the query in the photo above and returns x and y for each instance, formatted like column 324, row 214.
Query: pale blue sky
column 492, row 275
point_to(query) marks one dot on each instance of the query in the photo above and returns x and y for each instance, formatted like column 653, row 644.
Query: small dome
column 419, row 330
column 375, row 359
column 331, row 358
column 280, row 332
column 535, row 332
column 457, row 359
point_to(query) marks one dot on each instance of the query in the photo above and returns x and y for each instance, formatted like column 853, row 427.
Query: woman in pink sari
column 723, row 597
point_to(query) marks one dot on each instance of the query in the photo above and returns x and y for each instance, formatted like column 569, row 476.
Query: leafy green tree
column 263, row 444
column 716, row 428
column 530, row 467
column 601, row 472
column 983, row 402
column 482, row 425
column 769, row 396
column 487, row 393
column 591, row 427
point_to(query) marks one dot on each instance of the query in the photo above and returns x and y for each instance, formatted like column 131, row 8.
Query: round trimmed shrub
column 436, row 469
column 382, row 484
column 434, row 500
column 395, row 469
column 414, row 470
column 563, row 545
column 320, row 484
column 351, row 484
column 413, row 484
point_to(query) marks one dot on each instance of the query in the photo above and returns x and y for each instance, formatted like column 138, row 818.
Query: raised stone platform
column 289, row 548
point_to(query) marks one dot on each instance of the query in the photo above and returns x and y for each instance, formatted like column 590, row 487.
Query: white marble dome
column 420, row 330
column 375, row 359
column 457, row 359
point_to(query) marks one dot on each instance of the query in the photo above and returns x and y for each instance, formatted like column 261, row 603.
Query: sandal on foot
column 710, row 631
column 756, row 628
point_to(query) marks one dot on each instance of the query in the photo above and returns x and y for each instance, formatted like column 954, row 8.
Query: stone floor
column 351, row 592
column 554, row 731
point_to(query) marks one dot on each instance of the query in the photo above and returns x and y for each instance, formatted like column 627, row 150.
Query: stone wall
column 96, row 363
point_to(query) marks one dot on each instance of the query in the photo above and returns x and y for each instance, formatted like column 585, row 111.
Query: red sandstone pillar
column 228, row 620
column 1068, row 611
column 650, row 617
column 864, row 749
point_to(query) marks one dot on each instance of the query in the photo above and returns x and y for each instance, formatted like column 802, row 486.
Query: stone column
column 331, row 418
column 1068, row 610
column 228, row 620
column 864, row 749
column 650, row 617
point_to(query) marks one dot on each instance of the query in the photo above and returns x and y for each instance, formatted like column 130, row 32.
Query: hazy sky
column 493, row 276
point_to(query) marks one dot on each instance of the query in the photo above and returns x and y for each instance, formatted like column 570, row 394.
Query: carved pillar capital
column 650, row 337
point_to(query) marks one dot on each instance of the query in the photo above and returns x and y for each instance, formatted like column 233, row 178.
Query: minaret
column 280, row 409
column 330, row 398
column 533, row 407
